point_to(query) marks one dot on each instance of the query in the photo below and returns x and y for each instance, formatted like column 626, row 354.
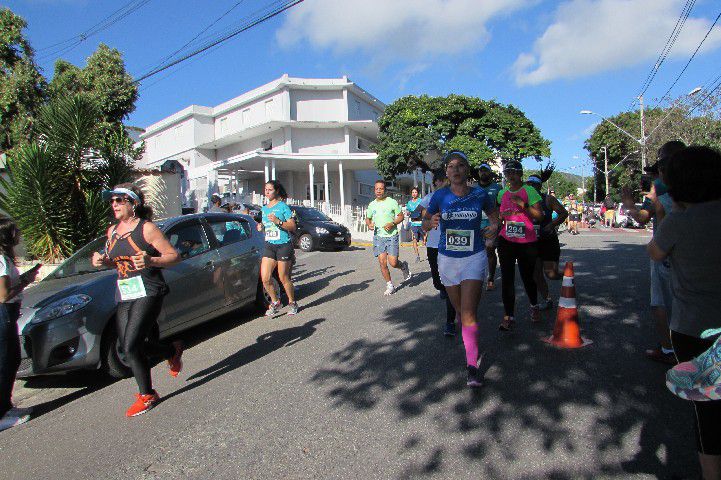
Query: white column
column 325, row 180
column 272, row 169
column 415, row 177
column 267, row 173
column 310, row 184
column 342, row 186
column 423, row 184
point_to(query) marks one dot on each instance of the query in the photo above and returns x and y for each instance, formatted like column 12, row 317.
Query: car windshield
column 311, row 214
column 79, row 263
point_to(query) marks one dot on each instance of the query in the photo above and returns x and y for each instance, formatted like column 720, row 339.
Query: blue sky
column 549, row 58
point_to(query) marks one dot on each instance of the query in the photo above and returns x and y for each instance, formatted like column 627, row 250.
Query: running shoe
column 490, row 285
column 473, row 376
column 658, row 355
column 14, row 417
column 450, row 330
column 293, row 308
column 273, row 309
column 535, row 314
column 507, row 324
column 700, row 378
column 390, row 289
column 142, row 404
column 175, row 362
column 418, row 259
column 406, row 271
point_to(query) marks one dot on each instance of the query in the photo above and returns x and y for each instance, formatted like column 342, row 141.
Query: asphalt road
column 359, row 385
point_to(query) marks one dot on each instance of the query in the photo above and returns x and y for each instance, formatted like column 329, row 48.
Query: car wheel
column 111, row 360
column 305, row 242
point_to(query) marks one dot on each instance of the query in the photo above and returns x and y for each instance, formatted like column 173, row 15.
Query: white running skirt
column 454, row 270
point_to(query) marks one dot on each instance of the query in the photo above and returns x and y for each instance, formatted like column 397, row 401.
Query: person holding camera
column 656, row 204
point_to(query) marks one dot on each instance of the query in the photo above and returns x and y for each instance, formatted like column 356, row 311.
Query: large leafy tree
column 21, row 85
column 691, row 120
column 53, row 190
column 414, row 131
column 104, row 78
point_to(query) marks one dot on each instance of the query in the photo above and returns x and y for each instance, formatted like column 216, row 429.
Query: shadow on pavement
column 265, row 344
column 595, row 412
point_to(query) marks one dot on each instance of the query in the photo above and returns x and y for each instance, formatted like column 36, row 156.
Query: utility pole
column 643, row 135
column 605, row 167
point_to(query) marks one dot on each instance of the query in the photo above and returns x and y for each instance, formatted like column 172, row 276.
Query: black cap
column 513, row 165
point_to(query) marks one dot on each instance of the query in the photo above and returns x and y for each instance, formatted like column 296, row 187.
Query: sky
column 549, row 58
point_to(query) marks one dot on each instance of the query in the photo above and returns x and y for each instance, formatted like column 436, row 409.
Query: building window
column 366, row 190
column 357, row 107
column 266, row 145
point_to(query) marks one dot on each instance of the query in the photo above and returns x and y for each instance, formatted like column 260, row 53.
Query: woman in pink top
column 520, row 207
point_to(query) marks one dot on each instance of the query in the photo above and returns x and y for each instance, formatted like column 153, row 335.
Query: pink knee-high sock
column 470, row 341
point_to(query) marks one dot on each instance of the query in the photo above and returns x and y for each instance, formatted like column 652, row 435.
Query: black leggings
column 525, row 254
column 433, row 261
column 707, row 415
column 9, row 353
column 135, row 322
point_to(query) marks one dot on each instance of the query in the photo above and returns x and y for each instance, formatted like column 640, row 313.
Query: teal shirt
column 273, row 233
column 493, row 188
column 411, row 207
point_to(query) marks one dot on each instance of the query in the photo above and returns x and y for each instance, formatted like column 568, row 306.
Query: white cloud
column 392, row 30
column 591, row 36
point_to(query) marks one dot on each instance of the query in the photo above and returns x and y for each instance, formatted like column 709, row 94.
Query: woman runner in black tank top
column 138, row 250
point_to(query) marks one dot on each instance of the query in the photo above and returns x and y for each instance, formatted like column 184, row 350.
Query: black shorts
column 549, row 250
column 574, row 217
column 282, row 252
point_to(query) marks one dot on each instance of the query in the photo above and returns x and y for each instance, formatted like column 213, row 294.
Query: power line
column 670, row 42
column 69, row 44
column 273, row 13
column 691, row 59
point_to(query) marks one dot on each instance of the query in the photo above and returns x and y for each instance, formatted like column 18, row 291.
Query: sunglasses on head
column 119, row 200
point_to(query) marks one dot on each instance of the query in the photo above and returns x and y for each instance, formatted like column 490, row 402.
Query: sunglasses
column 118, row 200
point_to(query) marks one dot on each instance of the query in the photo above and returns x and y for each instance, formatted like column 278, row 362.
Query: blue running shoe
column 450, row 330
column 700, row 378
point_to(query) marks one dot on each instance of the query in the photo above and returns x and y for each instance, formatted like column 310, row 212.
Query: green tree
column 689, row 119
column 53, row 189
column 21, row 85
column 415, row 130
column 104, row 78
column 559, row 182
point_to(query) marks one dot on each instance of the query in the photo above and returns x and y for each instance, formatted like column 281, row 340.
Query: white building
column 299, row 131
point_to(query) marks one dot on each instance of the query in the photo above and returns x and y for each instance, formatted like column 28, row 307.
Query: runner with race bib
column 520, row 206
column 277, row 222
column 138, row 250
column 462, row 259
column 485, row 181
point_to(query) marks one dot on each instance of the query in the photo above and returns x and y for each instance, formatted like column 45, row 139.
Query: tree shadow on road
column 265, row 344
column 542, row 412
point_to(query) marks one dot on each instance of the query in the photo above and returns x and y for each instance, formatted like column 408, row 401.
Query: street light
column 644, row 138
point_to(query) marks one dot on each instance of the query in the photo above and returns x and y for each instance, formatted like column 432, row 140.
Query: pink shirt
column 517, row 224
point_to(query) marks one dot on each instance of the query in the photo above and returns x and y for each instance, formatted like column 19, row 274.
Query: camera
column 646, row 181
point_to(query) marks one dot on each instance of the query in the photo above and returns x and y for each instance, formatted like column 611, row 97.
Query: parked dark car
column 67, row 319
column 315, row 230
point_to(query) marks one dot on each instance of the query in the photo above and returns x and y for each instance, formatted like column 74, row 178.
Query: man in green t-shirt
column 383, row 217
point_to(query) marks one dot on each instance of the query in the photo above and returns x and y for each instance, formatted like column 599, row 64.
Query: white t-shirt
column 8, row 269
column 434, row 236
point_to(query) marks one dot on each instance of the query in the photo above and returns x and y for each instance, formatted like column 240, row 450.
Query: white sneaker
column 406, row 271
column 13, row 418
column 390, row 289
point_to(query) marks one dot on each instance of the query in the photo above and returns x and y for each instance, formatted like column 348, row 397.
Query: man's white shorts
column 454, row 270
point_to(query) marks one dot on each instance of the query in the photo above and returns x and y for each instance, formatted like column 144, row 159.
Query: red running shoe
column 142, row 404
column 175, row 362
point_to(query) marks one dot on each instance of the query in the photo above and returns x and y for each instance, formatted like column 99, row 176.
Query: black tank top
column 547, row 217
column 120, row 249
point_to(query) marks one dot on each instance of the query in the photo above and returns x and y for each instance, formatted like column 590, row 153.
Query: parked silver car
column 67, row 319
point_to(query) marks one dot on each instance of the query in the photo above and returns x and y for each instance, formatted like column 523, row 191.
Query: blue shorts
column 417, row 231
column 661, row 295
column 389, row 245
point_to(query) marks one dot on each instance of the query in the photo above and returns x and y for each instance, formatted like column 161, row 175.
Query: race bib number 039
column 273, row 234
column 459, row 240
column 131, row 288
column 515, row 230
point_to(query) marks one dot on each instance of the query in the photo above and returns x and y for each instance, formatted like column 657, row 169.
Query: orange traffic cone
column 566, row 333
